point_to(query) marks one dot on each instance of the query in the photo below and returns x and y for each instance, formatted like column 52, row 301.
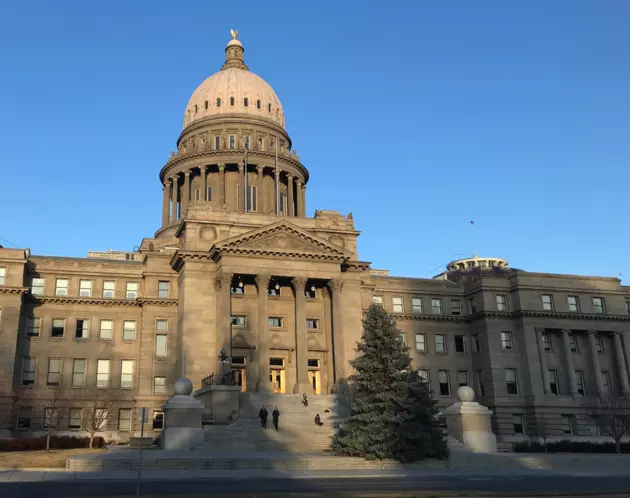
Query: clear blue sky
column 416, row 116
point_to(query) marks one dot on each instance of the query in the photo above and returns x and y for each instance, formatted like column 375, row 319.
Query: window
column 108, row 289
column 553, row 382
column 276, row 362
column 208, row 193
column 252, row 204
column 472, row 305
column 58, row 327
column 269, row 107
column 132, row 289
column 445, row 388
column 163, row 289
column 218, row 101
column 436, row 306
column 61, row 287
column 24, row 417
column 237, row 289
column 573, row 303
column 598, row 305
column 424, row 375
column 107, row 330
column 160, row 346
column 54, row 372
column 579, row 382
column 547, row 302
column 124, row 419
column 78, row 373
column 462, row 378
column 258, row 104
column 546, row 337
column 238, row 320
column 573, row 343
column 126, row 374
column 159, row 385
column 511, row 381
column 599, row 343
column 476, row 343
column 28, row 371
column 37, row 286
column 416, row 304
column 606, row 382
column 440, row 343
column 102, row 373
column 50, row 418
column 240, row 360
column 100, row 417
column 312, row 324
column 481, row 388
column 217, row 143
column 567, row 424
column 158, row 420
column 83, row 329
column 85, row 288
column 501, row 302
column 456, row 307
column 196, row 108
column 283, row 203
column 232, row 142
column 519, row 424
column 275, row 321
column 231, row 101
column 161, row 325
column 310, row 293
column 3, row 275
column 397, row 304
column 628, row 307
column 76, row 419
column 378, row 300
column 246, row 102
column 33, row 327
column 421, row 343
column 506, row 341
column 247, row 142
column 403, row 338
column 205, row 105
column 460, row 344
column 129, row 330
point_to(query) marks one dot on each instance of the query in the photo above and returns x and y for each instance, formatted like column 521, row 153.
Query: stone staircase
column 298, row 432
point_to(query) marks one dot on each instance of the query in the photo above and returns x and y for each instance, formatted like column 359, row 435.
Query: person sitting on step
column 318, row 421
column 304, row 399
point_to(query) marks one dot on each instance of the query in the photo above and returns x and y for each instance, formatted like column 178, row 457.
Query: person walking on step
column 275, row 415
column 262, row 415
column 318, row 421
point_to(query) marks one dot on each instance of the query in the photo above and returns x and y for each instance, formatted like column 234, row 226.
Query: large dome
column 234, row 90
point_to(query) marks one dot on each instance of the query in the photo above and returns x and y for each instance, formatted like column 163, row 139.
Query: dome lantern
column 234, row 54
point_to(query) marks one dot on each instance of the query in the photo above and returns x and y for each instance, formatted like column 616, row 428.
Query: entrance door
column 315, row 380
column 276, row 377
column 240, row 377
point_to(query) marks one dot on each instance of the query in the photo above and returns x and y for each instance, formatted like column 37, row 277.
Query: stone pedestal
column 221, row 401
column 469, row 423
column 182, row 419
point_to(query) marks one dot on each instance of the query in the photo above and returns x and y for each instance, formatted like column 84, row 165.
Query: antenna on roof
column 472, row 223
column 9, row 242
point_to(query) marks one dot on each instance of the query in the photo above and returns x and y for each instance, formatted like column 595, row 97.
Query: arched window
column 218, row 101
column 258, row 104
column 206, row 105
column 246, row 102
column 231, row 101
column 269, row 107
column 196, row 108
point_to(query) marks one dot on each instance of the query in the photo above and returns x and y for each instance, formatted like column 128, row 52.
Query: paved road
column 517, row 485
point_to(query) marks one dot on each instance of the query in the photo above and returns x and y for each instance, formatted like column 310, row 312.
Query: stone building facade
column 238, row 278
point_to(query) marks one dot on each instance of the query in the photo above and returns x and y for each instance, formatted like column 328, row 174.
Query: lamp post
column 223, row 360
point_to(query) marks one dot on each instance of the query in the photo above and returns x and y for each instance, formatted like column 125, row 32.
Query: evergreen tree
column 392, row 414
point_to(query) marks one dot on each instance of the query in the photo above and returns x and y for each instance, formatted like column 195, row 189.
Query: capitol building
column 243, row 280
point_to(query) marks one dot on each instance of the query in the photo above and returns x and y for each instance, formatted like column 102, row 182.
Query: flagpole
column 473, row 239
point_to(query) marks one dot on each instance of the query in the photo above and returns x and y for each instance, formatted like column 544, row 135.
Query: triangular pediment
column 281, row 239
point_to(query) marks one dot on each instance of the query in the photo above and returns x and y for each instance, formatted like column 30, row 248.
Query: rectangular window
column 436, row 306
column 160, row 346
column 283, row 203
column 501, row 302
column 102, row 373
column 553, row 382
column 606, row 382
column 599, row 343
column 462, row 377
column 129, row 330
column 397, row 304
column 547, row 302
column 54, row 372
column 78, row 373
column 124, row 419
column 76, row 419
column 476, row 343
column 440, row 343
column 28, row 371
column 37, row 287
column 573, row 343
column 546, row 337
column 403, row 338
column 312, row 324
column 158, row 420
column 159, row 385
column 456, row 307
column 518, row 423
column 61, row 287
column 460, row 344
column 197, row 194
column 472, row 305
column 445, row 388
column 163, row 289
column 132, row 290
column 421, row 343
column 511, row 380
column 126, row 374
column 247, row 142
column 208, row 193
column 239, row 320
column 161, row 325
column 276, row 362
column 3, row 275
column 598, row 305
column 252, row 199
column 217, row 143
column 232, row 142
column 107, row 330
column 481, row 388
column 424, row 375
column 83, row 329
column 378, row 300
column 416, row 304
column 567, row 424
column 24, row 417
column 579, row 382
column 275, row 321
column 33, row 327
column 58, row 327
column 573, row 303
column 85, row 288
column 506, row 341
column 100, row 418
column 50, row 418
column 109, row 287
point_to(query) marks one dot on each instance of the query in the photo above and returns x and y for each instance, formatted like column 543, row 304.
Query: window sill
column 57, row 338
column 77, row 387
column 31, row 337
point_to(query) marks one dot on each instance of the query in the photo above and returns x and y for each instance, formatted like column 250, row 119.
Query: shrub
column 569, row 447
column 56, row 443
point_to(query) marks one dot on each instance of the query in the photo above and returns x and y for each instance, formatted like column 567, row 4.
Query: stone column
column 290, row 201
column 302, row 384
column 224, row 321
column 262, row 281
column 597, row 369
column 222, row 196
column 204, row 182
column 165, row 200
column 338, row 345
column 303, row 194
column 241, row 188
column 260, row 196
column 298, row 188
column 543, row 360
column 621, row 364
column 569, row 362
column 276, row 192
column 186, row 192
column 175, row 198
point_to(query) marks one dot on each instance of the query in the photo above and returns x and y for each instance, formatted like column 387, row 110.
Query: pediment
column 281, row 239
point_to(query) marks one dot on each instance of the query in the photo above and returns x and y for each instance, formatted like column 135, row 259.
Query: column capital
column 299, row 283
column 299, row 182
column 175, row 178
column 336, row 285
column 221, row 166
column 289, row 176
column 566, row 332
column 169, row 181
column 262, row 280
column 203, row 167
column 241, row 165
column 224, row 281
column 592, row 332
column 617, row 333
column 187, row 172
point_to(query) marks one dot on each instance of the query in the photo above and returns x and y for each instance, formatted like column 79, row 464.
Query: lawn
column 41, row 459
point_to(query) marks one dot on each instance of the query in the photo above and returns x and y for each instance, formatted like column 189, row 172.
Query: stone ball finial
column 465, row 394
column 183, row 386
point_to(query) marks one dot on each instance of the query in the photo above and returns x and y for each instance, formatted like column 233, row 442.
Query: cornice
column 216, row 254
column 13, row 290
column 139, row 302
column 423, row 317
column 510, row 315
column 237, row 118
column 356, row 266
column 181, row 257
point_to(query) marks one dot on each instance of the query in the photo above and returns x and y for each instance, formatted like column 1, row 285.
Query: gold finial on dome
column 234, row 34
